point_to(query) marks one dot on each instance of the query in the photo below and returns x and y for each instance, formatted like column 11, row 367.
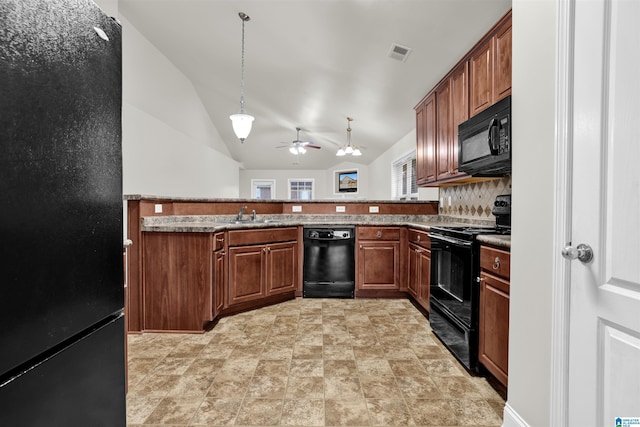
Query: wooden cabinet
column 378, row 259
column 219, row 273
column 452, row 109
column 177, row 281
column 262, row 263
column 419, row 271
column 479, row 80
column 493, row 348
column 426, row 141
column 490, row 68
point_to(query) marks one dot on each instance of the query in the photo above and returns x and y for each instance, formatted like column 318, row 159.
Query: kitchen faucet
column 241, row 212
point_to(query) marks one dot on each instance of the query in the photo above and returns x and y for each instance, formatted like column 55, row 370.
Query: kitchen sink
column 253, row 221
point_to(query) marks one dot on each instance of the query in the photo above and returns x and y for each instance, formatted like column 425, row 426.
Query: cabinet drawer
column 218, row 241
column 495, row 261
column 261, row 236
column 379, row 233
column 420, row 238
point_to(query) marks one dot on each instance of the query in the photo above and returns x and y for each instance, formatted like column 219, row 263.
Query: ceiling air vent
column 399, row 52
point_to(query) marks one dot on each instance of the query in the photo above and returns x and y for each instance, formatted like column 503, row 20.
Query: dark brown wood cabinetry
column 493, row 348
column 379, row 259
column 262, row 263
column 490, row 68
column 177, row 277
column 479, row 80
column 426, row 147
column 219, row 273
column 419, row 271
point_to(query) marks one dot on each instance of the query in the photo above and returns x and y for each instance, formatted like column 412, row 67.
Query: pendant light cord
column 244, row 18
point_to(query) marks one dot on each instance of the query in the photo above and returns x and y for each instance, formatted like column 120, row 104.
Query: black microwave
column 484, row 141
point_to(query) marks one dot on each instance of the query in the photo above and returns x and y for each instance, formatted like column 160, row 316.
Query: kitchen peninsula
column 195, row 260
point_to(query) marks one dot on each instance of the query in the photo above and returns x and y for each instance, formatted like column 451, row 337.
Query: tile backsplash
column 473, row 201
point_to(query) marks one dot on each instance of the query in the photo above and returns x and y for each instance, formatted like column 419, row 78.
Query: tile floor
column 307, row 362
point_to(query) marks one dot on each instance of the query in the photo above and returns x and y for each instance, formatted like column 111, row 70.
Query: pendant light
column 348, row 148
column 242, row 122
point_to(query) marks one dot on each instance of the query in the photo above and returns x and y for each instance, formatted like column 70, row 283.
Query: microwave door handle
column 493, row 136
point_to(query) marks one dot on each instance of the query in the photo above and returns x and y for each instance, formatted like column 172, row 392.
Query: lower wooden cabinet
column 493, row 349
column 378, row 258
column 177, row 281
column 220, row 274
column 263, row 268
column 419, row 271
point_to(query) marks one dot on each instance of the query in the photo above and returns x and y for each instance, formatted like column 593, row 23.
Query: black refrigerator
column 62, row 348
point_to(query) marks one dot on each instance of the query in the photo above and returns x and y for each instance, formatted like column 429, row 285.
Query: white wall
column 323, row 181
column 380, row 170
column 534, row 50
column 170, row 147
column 374, row 179
column 109, row 7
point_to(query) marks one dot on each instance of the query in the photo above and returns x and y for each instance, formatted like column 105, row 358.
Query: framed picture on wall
column 347, row 181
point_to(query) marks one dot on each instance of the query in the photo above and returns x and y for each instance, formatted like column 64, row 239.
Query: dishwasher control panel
column 328, row 233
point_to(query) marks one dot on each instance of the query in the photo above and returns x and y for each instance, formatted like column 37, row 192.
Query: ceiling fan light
column 341, row 152
column 241, row 125
column 293, row 150
column 356, row 152
column 302, row 150
column 348, row 150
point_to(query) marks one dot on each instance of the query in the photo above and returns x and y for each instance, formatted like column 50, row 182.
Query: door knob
column 583, row 252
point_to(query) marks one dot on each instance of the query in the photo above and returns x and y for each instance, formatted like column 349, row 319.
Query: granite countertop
column 498, row 240
column 218, row 223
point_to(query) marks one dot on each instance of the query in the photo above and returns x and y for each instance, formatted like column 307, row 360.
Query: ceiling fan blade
column 312, row 146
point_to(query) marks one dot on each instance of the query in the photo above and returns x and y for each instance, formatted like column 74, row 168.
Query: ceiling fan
column 299, row 147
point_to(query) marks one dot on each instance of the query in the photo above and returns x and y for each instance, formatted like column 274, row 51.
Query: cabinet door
column 493, row 351
column 459, row 87
column 443, row 125
column 481, row 78
column 246, row 273
column 426, row 141
column 424, row 275
column 282, row 268
column 502, row 62
column 412, row 280
column 378, row 265
column 219, row 281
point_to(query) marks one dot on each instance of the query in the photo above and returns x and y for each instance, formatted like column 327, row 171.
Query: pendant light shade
column 241, row 125
column 242, row 122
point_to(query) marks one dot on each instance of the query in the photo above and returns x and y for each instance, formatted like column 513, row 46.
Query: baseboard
column 511, row 418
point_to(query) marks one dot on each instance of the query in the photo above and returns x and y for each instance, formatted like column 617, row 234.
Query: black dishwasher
column 329, row 262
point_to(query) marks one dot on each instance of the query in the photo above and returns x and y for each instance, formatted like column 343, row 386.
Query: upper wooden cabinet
column 479, row 80
column 490, row 68
column 426, row 147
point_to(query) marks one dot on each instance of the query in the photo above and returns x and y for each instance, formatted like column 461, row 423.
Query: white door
column 604, row 323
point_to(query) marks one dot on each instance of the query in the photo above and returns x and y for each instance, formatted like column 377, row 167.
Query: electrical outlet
column 449, row 200
column 374, row 209
column 340, row 209
column 158, row 209
column 296, row 208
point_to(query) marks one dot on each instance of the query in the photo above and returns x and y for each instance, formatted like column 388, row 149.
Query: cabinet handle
column 360, row 246
column 220, row 240
column 419, row 237
column 379, row 234
column 496, row 263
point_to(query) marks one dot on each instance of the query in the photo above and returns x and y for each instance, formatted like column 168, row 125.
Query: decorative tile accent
column 475, row 200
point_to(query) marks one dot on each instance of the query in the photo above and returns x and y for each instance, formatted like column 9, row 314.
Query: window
column 263, row 189
column 403, row 178
column 301, row 189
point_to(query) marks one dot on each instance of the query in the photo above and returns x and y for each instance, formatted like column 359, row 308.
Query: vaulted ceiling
column 312, row 63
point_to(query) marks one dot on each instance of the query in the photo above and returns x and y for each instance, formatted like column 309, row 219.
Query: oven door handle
column 449, row 240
